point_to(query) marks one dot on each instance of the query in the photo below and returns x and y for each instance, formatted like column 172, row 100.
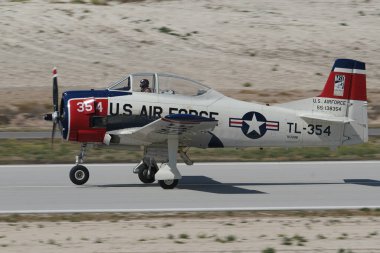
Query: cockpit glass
column 171, row 84
column 122, row 85
column 161, row 83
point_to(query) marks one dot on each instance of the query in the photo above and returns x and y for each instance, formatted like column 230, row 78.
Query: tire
column 168, row 184
column 144, row 177
column 79, row 175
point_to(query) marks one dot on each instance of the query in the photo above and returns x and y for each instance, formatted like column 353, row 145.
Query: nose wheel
column 79, row 174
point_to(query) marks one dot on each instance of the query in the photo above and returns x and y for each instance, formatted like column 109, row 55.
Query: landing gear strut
column 168, row 174
column 79, row 174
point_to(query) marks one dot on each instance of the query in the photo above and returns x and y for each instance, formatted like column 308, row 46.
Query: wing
column 185, row 126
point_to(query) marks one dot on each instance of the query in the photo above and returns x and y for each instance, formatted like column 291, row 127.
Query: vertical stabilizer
column 347, row 81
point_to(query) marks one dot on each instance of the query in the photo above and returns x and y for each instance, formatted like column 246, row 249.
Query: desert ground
column 229, row 232
column 268, row 51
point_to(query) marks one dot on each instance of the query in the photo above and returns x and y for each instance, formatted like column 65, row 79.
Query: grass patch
column 13, row 219
column 165, row 29
column 184, row 236
column 99, row 2
column 343, row 236
column 52, row 242
column 268, row 250
column 166, row 225
column 98, row 240
column 169, row 31
column 129, row 1
column 344, row 251
column 41, row 151
column 373, row 233
column 296, row 240
column 226, row 239
column 202, row 236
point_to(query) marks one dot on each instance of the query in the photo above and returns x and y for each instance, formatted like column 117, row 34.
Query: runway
column 205, row 186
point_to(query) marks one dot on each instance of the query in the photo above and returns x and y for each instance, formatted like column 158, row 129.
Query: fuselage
column 337, row 117
column 88, row 115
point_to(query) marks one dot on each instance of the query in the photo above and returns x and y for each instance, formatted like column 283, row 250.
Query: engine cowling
column 86, row 119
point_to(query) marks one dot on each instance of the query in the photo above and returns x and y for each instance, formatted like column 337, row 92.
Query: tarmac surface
column 205, row 186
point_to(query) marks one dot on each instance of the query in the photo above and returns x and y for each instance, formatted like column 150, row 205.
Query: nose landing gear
column 79, row 174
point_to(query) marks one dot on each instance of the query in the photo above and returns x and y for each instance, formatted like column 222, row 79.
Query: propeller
column 55, row 117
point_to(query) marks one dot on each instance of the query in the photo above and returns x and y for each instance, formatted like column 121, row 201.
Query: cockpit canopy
column 160, row 83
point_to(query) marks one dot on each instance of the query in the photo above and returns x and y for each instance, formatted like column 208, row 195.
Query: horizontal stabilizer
column 326, row 117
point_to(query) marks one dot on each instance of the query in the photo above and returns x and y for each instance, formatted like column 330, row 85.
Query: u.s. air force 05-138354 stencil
column 254, row 125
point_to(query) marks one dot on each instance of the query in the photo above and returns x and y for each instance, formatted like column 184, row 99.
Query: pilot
column 144, row 85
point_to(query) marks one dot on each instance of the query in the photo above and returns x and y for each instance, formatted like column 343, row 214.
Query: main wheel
column 168, row 184
column 144, row 177
column 79, row 174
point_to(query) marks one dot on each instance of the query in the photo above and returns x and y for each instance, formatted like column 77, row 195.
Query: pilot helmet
column 144, row 83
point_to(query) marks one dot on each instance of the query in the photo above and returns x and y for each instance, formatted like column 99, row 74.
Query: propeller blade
column 55, row 89
column 53, row 132
column 60, row 127
column 55, row 117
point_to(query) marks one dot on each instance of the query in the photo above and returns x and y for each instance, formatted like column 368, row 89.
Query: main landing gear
column 167, row 174
column 79, row 174
column 168, row 184
column 147, row 170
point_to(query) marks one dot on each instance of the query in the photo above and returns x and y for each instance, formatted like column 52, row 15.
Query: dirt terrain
column 229, row 232
column 268, row 51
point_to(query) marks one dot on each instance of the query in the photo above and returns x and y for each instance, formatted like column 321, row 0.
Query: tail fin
column 347, row 80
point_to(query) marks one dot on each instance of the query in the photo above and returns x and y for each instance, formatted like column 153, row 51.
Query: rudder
column 347, row 81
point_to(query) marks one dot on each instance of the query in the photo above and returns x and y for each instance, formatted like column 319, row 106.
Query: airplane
column 168, row 114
